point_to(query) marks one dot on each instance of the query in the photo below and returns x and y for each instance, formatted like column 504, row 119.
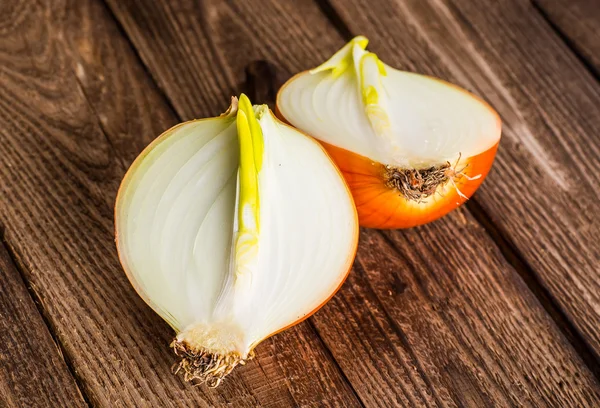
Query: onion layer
column 232, row 229
column 411, row 147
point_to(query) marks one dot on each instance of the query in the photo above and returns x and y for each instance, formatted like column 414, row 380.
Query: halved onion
column 411, row 147
column 233, row 229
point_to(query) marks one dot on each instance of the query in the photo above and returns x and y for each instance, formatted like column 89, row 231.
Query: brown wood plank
column 542, row 191
column 76, row 107
column 448, row 330
column 33, row 372
column 579, row 22
column 429, row 324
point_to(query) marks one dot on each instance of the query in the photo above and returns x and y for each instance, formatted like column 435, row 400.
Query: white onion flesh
column 429, row 121
column 176, row 223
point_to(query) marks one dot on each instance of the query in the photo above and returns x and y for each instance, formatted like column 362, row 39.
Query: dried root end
column 205, row 366
column 419, row 184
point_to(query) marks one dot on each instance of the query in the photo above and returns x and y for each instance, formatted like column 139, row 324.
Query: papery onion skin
column 381, row 206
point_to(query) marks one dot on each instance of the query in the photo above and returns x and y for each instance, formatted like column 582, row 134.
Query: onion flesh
column 358, row 103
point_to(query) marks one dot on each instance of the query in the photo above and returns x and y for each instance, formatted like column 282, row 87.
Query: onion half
column 411, row 147
column 232, row 229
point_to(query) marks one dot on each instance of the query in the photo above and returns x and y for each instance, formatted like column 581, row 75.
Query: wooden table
column 497, row 304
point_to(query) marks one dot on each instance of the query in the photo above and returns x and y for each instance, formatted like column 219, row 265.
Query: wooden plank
column 430, row 324
column 33, row 372
column 76, row 107
column 579, row 22
column 451, row 329
column 542, row 191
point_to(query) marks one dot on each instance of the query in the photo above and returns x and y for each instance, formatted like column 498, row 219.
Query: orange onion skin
column 380, row 206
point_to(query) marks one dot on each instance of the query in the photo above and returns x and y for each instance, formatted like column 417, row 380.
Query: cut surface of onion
column 411, row 147
column 232, row 229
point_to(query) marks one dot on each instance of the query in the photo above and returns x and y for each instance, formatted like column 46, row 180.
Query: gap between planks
column 513, row 257
column 509, row 251
column 136, row 53
column 310, row 323
column 566, row 40
column 38, row 305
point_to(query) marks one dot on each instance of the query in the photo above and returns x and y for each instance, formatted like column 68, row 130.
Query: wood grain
column 431, row 316
column 579, row 22
column 210, row 42
column 448, row 330
column 33, row 372
column 542, row 192
column 76, row 107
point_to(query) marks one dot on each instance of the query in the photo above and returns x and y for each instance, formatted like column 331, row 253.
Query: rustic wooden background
column 497, row 304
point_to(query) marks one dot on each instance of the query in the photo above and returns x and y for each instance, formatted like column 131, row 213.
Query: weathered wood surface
column 579, row 22
column 437, row 324
column 76, row 107
column 543, row 192
column 433, row 316
column 33, row 372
